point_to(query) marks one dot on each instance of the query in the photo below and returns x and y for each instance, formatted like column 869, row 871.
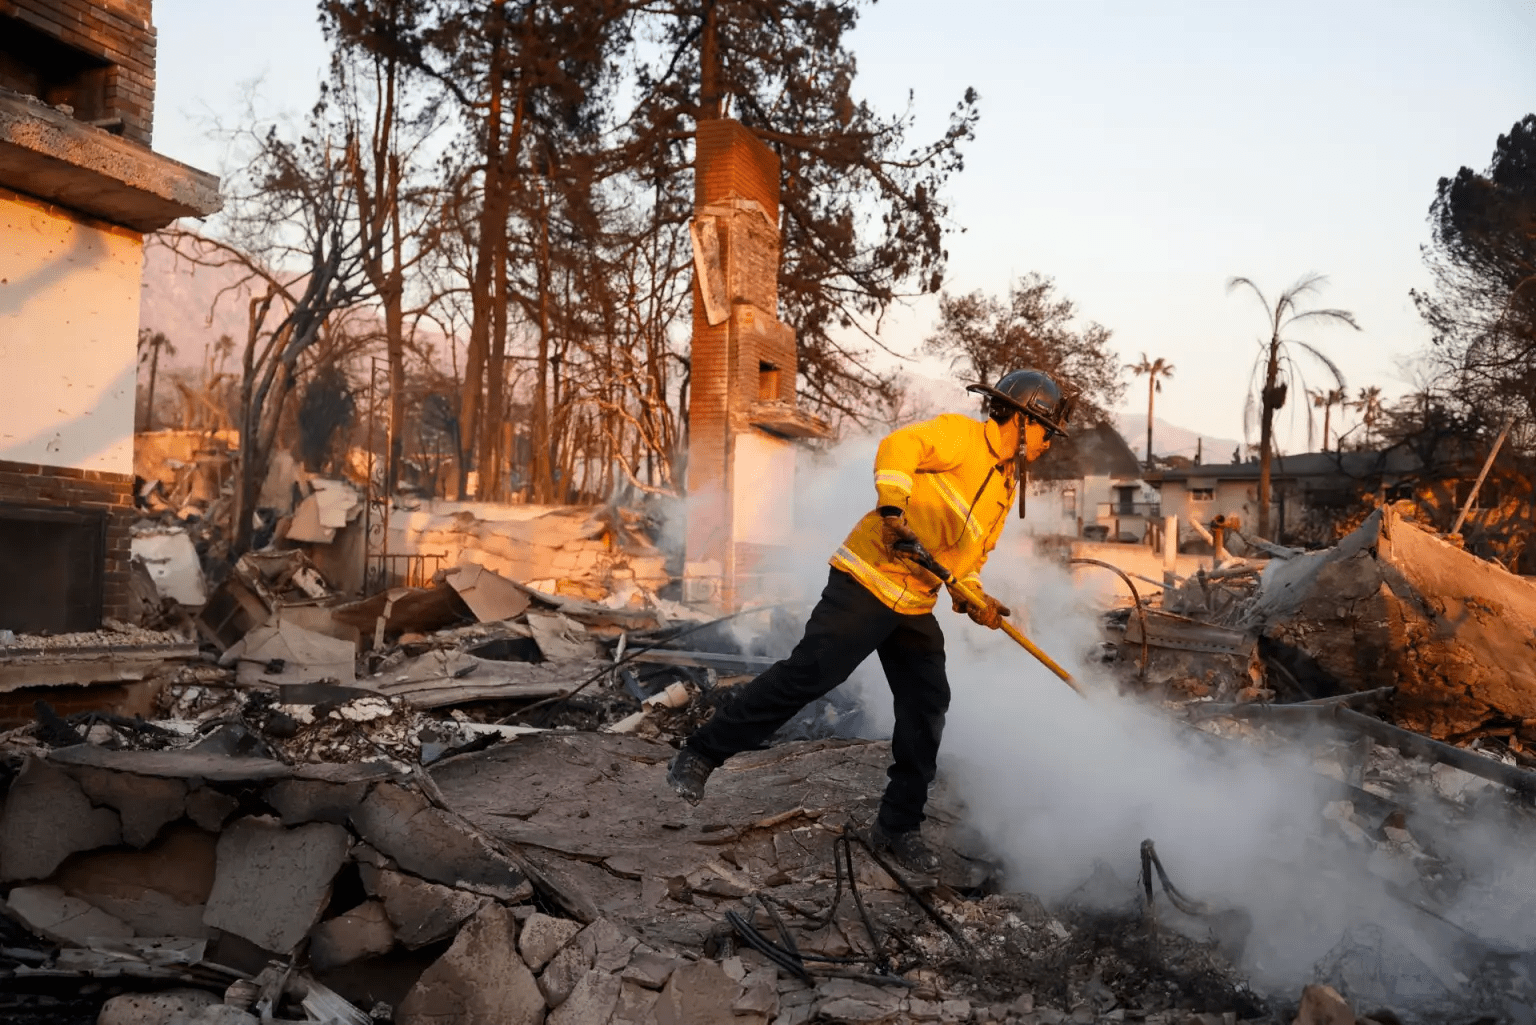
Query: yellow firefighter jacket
column 956, row 490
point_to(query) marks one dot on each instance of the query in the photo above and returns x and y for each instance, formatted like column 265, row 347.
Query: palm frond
column 1335, row 316
column 1322, row 357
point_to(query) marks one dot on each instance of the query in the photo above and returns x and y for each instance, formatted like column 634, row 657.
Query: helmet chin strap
column 1021, row 464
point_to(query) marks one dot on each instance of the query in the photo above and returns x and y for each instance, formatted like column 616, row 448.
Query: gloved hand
column 989, row 615
column 894, row 529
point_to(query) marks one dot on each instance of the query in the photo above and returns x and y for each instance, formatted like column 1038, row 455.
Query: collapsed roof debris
column 446, row 804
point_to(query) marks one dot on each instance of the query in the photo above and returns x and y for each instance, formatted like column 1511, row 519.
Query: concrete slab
column 542, row 937
column 50, row 155
column 592, row 1000
column 204, row 765
column 301, row 800
column 47, row 818
column 481, row 980
column 53, row 914
column 564, row 970
column 428, row 842
column 209, row 808
column 699, row 993
column 144, row 803
column 421, row 912
column 364, row 931
column 272, row 883
column 155, row 1008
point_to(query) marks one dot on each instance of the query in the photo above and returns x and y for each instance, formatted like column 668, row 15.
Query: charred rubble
column 445, row 803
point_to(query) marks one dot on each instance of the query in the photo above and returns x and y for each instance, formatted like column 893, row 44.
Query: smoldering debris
column 297, row 835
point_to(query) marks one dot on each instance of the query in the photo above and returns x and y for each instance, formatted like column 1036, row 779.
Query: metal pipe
column 1141, row 613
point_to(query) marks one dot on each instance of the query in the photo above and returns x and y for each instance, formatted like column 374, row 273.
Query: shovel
column 915, row 551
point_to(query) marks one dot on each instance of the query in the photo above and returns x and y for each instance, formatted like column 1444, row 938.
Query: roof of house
column 1352, row 465
column 1094, row 451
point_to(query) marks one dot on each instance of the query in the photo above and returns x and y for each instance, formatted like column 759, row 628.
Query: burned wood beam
column 705, row 660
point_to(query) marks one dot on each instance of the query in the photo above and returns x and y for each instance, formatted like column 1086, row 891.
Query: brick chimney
column 742, row 414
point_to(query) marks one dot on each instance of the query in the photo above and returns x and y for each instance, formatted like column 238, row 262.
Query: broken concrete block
column 634, row 1005
column 651, row 969
column 954, row 1010
column 362, row 932
column 759, row 993
column 159, row 891
column 1322, row 1005
column 562, row 973
column 47, row 818
column 143, row 803
column 155, row 1008
column 51, row 913
column 306, row 800
column 1392, row 604
column 272, row 883
column 218, row 1014
column 481, row 980
column 543, row 936
column 606, row 945
column 434, row 845
column 699, row 993
column 422, row 912
column 593, row 1000
column 847, row 1009
column 209, row 808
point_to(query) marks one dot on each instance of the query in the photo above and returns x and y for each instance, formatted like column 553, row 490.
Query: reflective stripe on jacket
column 947, row 475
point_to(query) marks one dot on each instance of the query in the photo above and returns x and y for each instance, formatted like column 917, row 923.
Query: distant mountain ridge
column 1172, row 440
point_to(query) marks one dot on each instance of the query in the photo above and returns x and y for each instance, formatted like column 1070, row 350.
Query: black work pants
column 846, row 625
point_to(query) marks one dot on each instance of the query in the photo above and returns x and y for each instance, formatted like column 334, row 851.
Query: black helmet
column 1032, row 393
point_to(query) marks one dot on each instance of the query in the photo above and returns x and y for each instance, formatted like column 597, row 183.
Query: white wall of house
column 69, row 317
column 1203, row 500
column 1066, row 506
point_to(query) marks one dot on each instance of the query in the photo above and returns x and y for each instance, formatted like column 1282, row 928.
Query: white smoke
column 1058, row 785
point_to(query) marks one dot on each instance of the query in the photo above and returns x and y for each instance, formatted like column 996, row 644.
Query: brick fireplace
column 79, row 188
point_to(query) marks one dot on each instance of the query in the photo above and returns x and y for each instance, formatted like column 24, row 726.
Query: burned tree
column 290, row 232
column 385, row 121
column 1275, row 371
column 984, row 337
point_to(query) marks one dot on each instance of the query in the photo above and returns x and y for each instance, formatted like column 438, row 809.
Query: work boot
column 688, row 773
column 906, row 849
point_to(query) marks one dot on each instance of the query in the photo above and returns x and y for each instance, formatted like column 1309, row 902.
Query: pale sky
column 1141, row 154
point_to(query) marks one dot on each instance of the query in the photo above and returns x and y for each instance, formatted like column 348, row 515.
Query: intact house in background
column 79, row 188
column 743, row 418
column 1089, row 485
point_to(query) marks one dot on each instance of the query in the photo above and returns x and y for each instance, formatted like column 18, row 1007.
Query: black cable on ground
column 1151, row 862
column 917, row 898
column 882, row 963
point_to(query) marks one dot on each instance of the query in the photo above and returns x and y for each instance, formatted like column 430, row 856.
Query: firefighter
column 948, row 483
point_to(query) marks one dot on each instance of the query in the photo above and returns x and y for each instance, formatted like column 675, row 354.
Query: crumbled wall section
column 117, row 31
column 32, row 484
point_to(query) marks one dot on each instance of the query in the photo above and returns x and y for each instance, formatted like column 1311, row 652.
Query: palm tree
column 1154, row 369
column 1325, row 399
column 1279, row 366
column 151, row 344
column 1368, row 404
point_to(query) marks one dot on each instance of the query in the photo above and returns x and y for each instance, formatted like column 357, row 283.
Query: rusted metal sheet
column 1164, row 630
